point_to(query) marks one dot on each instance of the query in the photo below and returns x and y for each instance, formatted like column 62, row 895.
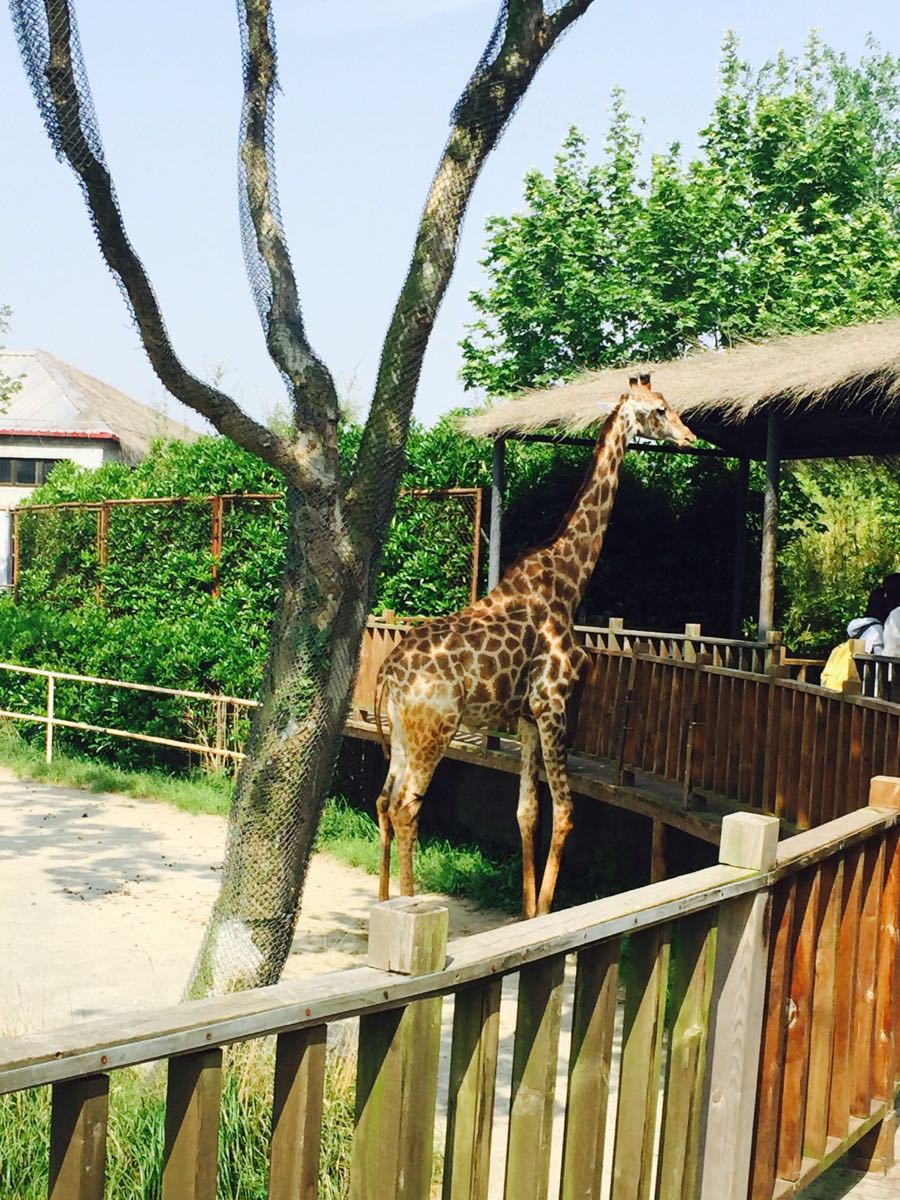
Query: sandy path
column 103, row 902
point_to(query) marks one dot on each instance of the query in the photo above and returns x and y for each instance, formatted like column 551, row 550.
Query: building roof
column 55, row 399
column 837, row 393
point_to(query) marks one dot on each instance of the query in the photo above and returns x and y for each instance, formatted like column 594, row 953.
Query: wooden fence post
column 614, row 627
column 691, row 631
column 51, row 706
column 749, row 840
column 78, row 1138
column 399, row 1050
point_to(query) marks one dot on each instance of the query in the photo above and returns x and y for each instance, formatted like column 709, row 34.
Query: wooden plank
column 78, row 1138
column 737, row 1006
column 827, row 760
column 866, row 978
column 886, row 1064
column 190, row 1154
column 770, row 757
column 783, row 763
column 848, row 937
column 748, row 736
column 831, row 882
column 807, row 750
column 590, row 1060
column 673, row 725
column 758, row 751
column 811, row 846
column 399, row 1053
column 470, row 1103
column 796, row 1059
column 842, row 759
column 693, row 949
column 771, row 1069
column 636, row 1114
column 297, row 1114
column 534, row 1080
column 857, row 789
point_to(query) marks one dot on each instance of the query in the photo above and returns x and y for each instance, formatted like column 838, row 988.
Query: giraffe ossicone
column 509, row 660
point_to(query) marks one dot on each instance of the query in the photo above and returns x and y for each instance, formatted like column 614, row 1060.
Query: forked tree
column 336, row 526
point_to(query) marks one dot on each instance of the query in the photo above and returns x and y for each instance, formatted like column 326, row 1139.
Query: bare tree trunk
column 281, row 787
column 335, row 533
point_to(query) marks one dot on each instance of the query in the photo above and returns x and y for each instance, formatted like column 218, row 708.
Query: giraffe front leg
column 405, row 819
column 552, row 728
column 386, row 832
column 527, row 812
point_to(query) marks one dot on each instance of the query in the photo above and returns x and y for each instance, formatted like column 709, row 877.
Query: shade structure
column 834, row 394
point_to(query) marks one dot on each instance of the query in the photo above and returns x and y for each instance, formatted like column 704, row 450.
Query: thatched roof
column 56, row 398
column 838, row 393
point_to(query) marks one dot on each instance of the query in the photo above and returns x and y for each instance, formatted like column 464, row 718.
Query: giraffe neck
column 574, row 551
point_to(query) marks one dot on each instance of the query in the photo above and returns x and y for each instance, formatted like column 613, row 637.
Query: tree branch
column 272, row 276
column 514, row 53
column 68, row 133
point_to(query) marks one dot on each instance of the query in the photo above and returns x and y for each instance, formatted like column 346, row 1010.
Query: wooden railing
column 879, row 676
column 225, row 713
column 792, row 749
column 728, row 1088
column 668, row 704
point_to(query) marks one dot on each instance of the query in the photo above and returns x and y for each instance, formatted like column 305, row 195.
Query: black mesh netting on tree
column 335, row 527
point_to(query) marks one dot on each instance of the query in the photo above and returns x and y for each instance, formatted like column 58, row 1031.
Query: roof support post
column 741, row 490
column 769, row 528
column 498, row 483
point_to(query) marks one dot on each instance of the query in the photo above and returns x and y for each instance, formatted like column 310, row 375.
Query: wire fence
column 110, row 549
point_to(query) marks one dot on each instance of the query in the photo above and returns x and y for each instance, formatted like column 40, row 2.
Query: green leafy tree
column 787, row 219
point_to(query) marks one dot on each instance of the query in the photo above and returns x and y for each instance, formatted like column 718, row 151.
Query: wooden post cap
column 408, row 936
column 884, row 792
column 616, row 624
column 749, row 840
column 692, row 629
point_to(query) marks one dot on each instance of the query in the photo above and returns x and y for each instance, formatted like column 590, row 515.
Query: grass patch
column 197, row 792
column 136, row 1123
column 438, row 865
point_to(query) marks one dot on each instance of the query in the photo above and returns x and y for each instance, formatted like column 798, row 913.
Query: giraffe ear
column 632, row 380
column 645, row 379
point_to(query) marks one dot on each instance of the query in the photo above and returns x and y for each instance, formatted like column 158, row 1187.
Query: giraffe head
column 654, row 416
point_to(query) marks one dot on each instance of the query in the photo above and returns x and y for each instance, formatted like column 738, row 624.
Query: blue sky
column 367, row 89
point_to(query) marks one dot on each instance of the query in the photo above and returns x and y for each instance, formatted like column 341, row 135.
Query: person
column 892, row 618
column 869, row 629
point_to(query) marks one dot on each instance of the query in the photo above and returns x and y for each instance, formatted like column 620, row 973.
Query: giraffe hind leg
column 552, row 728
column 425, row 749
column 527, row 812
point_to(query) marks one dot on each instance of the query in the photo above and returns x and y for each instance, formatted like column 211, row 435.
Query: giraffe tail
column 379, row 700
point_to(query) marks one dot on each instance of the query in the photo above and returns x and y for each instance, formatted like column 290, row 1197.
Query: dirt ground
column 103, row 902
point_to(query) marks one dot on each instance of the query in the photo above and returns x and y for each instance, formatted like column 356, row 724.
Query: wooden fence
column 753, row 1022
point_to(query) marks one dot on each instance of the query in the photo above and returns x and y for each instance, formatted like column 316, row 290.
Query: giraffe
column 509, row 659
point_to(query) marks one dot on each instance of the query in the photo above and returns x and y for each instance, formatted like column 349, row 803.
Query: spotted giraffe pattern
column 509, row 660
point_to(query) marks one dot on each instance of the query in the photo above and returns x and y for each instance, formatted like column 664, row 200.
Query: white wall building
column 57, row 413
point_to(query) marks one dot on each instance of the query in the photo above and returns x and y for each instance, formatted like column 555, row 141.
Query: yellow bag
column 839, row 673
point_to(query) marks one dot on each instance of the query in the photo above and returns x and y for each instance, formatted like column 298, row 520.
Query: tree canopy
column 786, row 219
